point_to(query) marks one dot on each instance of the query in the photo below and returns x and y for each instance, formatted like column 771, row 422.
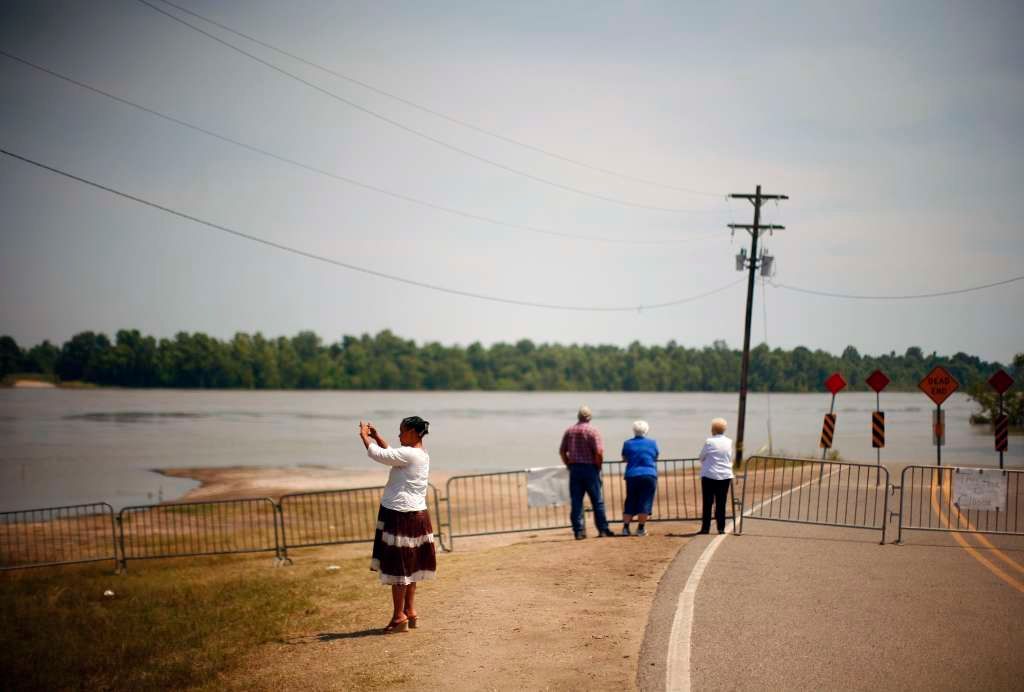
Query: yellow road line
column 984, row 539
column 985, row 562
column 1006, row 558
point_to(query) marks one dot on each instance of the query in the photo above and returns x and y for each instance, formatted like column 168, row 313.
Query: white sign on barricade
column 547, row 487
column 983, row 489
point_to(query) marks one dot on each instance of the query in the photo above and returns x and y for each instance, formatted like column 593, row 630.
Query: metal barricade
column 929, row 502
column 484, row 504
column 808, row 491
column 187, row 529
column 57, row 536
column 331, row 517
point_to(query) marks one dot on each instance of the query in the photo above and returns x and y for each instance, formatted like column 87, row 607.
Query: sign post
column 834, row 384
column 939, row 384
column 1001, row 382
column 878, row 381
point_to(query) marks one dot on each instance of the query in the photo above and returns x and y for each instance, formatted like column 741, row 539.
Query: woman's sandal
column 412, row 621
column 394, row 627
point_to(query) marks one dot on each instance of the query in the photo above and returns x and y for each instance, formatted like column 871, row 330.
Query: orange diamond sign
column 938, row 385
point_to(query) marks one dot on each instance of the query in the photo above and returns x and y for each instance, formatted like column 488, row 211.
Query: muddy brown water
column 67, row 446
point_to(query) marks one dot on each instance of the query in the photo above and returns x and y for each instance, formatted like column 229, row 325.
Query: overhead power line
column 418, row 133
column 345, row 179
column 357, row 268
column 914, row 296
column 436, row 113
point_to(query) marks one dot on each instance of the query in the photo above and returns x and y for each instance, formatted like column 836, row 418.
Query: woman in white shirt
column 403, row 545
column 715, row 475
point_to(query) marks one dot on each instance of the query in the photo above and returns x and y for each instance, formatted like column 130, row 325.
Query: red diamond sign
column 835, row 383
column 877, row 380
column 1001, row 381
column 938, row 385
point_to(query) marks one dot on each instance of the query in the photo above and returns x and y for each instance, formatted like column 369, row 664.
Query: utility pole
column 757, row 199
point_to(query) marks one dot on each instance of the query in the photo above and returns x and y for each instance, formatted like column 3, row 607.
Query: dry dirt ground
column 532, row 611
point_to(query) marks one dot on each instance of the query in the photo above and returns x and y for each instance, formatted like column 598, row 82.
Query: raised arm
column 368, row 433
column 377, row 448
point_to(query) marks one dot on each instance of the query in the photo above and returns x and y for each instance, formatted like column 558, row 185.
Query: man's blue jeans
column 585, row 478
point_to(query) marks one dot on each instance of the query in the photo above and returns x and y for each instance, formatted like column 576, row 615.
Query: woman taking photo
column 403, row 545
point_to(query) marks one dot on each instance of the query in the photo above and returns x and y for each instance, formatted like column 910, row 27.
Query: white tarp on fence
column 547, row 486
column 983, row 489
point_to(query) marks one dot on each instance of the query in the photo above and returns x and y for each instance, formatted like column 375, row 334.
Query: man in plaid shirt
column 583, row 453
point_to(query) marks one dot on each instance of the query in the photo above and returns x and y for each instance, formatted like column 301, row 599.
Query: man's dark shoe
column 606, row 533
column 705, row 531
column 580, row 536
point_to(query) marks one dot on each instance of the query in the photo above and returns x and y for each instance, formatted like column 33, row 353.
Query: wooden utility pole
column 757, row 199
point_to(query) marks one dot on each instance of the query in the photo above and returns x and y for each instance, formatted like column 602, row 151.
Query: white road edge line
column 677, row 665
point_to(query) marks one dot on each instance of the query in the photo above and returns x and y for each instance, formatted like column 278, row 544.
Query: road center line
column 970, row 549
column 677, row 665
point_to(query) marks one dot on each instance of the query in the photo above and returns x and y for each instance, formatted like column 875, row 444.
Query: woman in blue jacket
column 641, row 456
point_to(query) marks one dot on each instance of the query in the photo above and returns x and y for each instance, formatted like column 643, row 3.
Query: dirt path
column 537, row 612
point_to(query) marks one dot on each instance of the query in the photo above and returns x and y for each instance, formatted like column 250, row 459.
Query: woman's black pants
column 717, row 492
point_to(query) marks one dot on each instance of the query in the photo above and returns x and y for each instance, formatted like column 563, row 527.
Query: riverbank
column 32, row 381
column 257, row 481
column 33, row 384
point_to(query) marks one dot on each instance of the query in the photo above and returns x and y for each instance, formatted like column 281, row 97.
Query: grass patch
column 171, row 625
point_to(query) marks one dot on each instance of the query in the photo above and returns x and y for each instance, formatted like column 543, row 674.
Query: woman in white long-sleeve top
column 715, row 475
column 403, row 544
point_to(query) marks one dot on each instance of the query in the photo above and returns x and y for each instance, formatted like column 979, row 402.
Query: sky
column 894, row 128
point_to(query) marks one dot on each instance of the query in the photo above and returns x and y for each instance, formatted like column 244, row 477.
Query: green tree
column 42, row 358
column 11, row 356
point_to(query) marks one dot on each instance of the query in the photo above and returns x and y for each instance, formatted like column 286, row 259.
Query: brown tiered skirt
column 403, row 547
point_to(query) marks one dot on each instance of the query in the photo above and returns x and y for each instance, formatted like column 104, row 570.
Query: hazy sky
column 895, row 128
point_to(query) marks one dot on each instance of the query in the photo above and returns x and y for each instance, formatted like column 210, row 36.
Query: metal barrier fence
column 57, row 536
column 188, row 529
column 484, row 504
column 807, row 491
column 331, row 517
column 928, row 502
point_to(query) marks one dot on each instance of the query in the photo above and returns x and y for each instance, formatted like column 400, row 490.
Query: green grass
column 171, row 625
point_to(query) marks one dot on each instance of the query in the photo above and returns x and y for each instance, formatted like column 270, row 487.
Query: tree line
column 386, row 361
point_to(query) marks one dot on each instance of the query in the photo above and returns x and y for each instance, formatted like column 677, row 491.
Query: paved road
column 788, row 606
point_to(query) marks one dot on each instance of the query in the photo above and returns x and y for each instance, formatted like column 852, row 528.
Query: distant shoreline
column 31, row 381
column 33, row 384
